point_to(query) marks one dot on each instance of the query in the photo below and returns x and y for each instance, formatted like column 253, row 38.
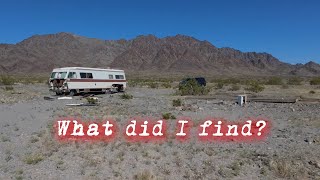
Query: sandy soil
column 29, row 151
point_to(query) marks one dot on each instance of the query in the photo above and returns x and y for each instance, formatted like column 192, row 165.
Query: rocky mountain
column 149, row 54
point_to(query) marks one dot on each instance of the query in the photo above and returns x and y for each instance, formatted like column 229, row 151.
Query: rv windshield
column 59, row 75
column 53, row 74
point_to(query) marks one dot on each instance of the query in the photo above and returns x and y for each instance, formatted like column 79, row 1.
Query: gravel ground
column 29, row 151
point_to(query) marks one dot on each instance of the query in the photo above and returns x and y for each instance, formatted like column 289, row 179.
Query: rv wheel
column 73, row 92
column 119, row 88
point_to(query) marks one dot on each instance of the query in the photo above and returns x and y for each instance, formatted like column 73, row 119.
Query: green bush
column 168, row 116
column 234, row 87
column 176, row 102
column 294, row 81
column 315, row 81
column 255, row 86
column 274, row 81
column 312, row 92
column 126, row 96
column 192, row 87
column 7, row 80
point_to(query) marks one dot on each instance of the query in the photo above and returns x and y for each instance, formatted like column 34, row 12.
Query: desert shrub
column 274, row 81
column 166, row 85
column 219, row 85
column 192, row 87
column 41, row 80
column 92, row 100
column 132, row 83
column 8, row 88
column 146, row 175
column 7, row 80
column 285, row 86
column 287, row 168
column 33, row 158
column 226, row 81
column 27, row 81
column 234, row 87
column 176, row 102
column 294, row 81
column 126, row 96
column 168, row 116
column 312, row 92
column 315, row 81
column 255, row 86
column 153, row 85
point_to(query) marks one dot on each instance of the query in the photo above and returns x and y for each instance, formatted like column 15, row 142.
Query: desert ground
column 28, row 150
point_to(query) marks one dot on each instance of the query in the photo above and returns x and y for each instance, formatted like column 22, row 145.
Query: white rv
column 74, row 80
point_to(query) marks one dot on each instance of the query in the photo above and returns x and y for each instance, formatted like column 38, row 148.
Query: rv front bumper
column 59, row 89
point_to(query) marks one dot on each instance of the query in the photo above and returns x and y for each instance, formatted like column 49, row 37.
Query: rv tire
column 72, row 92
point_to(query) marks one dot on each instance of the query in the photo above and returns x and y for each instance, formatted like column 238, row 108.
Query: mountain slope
column 176, row 54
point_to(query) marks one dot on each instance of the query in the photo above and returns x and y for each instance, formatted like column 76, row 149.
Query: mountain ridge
column 145, row 53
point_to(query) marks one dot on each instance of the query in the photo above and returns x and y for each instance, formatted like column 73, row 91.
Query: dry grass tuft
column 145, row 175
column 285, row 167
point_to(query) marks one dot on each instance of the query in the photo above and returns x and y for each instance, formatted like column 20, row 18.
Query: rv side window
column 89, row 75
column 119, row 77
column 110, row 76
column 62, row 75
column 86, row 75
column 72, row 75
column 83, row 75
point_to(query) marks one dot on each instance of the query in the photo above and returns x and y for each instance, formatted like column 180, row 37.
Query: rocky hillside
column 177, row 54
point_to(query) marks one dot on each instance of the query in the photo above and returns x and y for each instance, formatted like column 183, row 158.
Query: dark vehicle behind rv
column 200, row 80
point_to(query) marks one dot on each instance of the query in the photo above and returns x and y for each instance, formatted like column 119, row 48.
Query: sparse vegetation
column 34, row 139
column 166, row 85
column 47, row 151
column 4, row 138
column 219, row 85
column 33, row 158
column 168, row 116
column 7, row 80
column 315, row 81
column 153, row 85
column 126, row 96
column 285, row 86
column 312, row 92
column 227, row 81
column 192, row 88
column 18, row 174
column 9, row 88
column 177, row 102
column 146, row 175
column 92, row 100
column 287, row 168
column 255, row 86
column 295, row 81
column 234, row 87
column 274, row 81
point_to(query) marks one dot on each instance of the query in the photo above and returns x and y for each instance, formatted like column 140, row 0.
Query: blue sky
column 288, row 29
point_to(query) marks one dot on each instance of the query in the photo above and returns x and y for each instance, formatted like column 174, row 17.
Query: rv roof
column 86, row 68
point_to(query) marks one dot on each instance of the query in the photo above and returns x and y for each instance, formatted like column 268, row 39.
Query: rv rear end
column 76, row 80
